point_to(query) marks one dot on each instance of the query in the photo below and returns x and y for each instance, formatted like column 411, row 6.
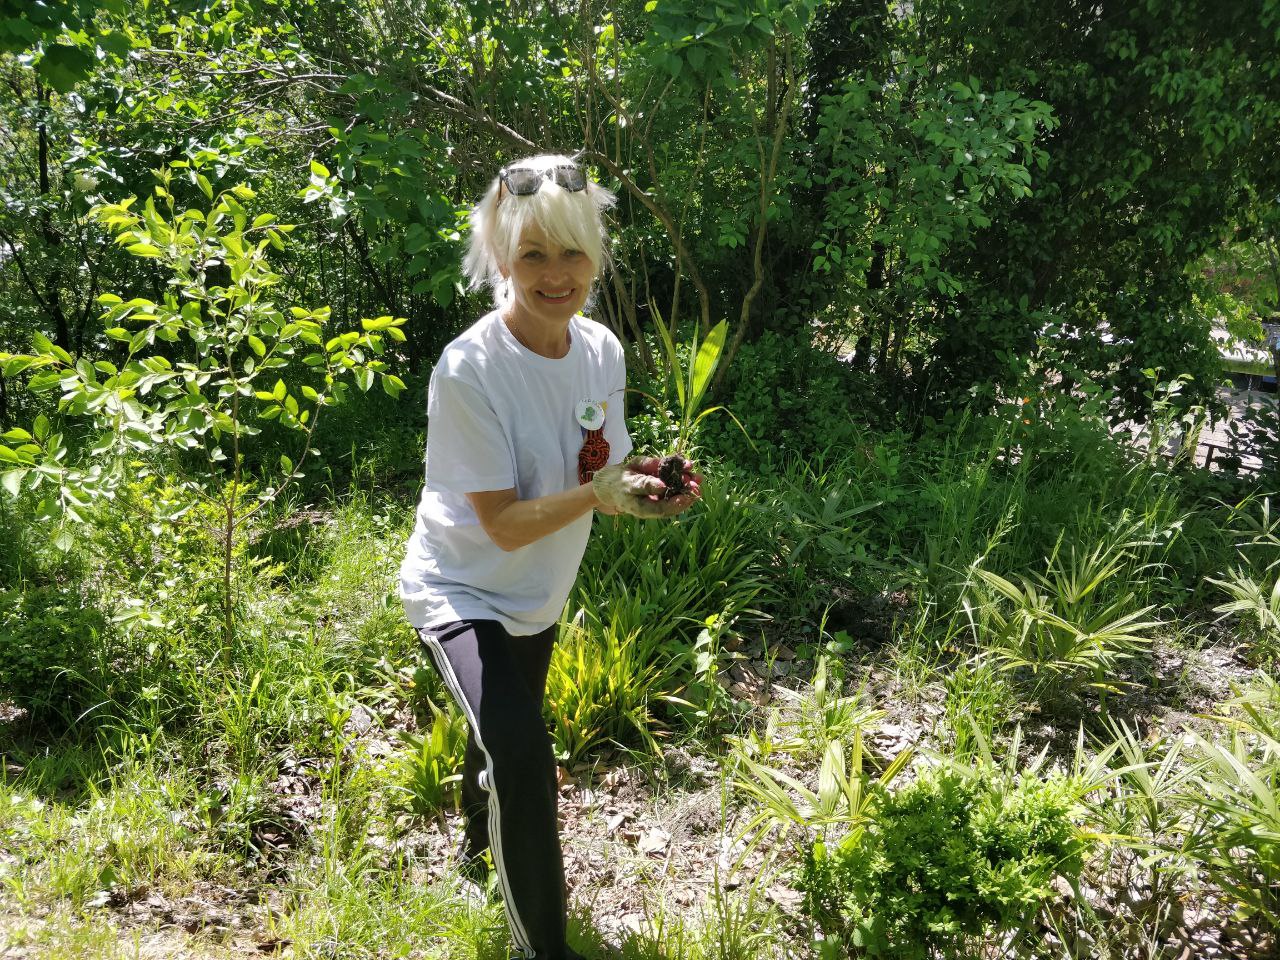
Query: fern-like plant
column 1059, row 628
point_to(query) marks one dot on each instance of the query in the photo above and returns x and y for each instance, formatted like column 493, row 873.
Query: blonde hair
column 573, row 219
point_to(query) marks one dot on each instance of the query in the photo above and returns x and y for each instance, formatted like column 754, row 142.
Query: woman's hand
column 634, row 487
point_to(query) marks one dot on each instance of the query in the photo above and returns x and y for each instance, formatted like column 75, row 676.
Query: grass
column 300, row 781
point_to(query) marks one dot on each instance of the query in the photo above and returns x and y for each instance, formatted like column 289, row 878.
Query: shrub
column 793, row 400
column 429, row 771
column 1257, row 606
column 159, row 550
column 601, row 689
column 946, row 858
column 1252, row 586
column 233, row 343
column 49, row 642
column 663, row 580
column 817, row 514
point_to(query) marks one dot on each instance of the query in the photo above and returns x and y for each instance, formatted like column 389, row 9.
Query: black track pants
column 509, row 779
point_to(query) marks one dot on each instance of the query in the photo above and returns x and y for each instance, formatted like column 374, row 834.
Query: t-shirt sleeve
column 467, row 448
column 615, row 421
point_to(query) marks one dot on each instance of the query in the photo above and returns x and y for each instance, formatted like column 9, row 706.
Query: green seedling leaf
column 705, row 363
column 673, row 358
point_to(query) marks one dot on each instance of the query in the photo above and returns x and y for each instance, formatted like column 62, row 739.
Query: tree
column 231, row 339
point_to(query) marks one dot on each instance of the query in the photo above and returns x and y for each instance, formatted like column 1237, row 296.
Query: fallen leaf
column 653, row 841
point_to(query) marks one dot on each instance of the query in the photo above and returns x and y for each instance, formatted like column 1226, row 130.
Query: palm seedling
column 691, row 383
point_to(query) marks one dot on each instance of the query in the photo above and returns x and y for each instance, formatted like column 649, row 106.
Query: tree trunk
column 51, row 237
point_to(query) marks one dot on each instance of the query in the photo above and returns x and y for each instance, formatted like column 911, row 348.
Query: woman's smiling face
column 548, row 282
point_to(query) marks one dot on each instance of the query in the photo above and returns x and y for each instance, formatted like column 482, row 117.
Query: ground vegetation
column 964, row 652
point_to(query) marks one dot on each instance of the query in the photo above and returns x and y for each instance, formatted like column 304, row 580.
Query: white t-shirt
column 501, row 416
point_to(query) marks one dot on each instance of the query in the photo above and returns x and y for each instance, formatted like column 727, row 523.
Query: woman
column 525, row 440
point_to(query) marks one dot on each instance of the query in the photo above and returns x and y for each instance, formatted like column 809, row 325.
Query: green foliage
column 818, row 520
column 641, row 642
column 823, row 713
column 690, row 381
column 63, row 35
column 1252, row 586
column 160, row 550
column 665, row 580
column 1256, row 608
column 1068, row 626
column 1239, row 790
column 793, row 400
column 943, row 859
column 603, row 688
column 51, row 638
column 232, row 341
column 431, row 764
column 239, row 340
column 846, row 797
column 991, row 189
column 912, row 170
column 1166, row 192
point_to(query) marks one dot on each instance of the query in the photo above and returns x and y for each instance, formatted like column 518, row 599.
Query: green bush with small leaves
column 947, row 858
column 792, row 399
column 49, row 641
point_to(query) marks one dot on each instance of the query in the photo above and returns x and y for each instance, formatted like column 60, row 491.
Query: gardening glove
column 634, row 488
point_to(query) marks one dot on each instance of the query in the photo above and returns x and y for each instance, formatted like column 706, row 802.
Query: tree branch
column 768, row 173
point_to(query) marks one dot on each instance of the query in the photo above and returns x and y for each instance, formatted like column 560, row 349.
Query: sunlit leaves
column 241, row 346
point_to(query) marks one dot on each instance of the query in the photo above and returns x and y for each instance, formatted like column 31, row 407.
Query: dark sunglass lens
column 571, row 178
column 522, row 182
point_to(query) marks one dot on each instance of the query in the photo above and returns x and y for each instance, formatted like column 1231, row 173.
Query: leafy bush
column 946, row 858
column 663, row 580
column 823, row 713
column 160, row 549
column 50, row 639
column 1252, row 586
column 818, row 514
column 793, row 400
column 430, row 769
column 1256, row 604
column 231, row 343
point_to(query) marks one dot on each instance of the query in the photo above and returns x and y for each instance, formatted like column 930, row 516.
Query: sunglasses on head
column 523, row 181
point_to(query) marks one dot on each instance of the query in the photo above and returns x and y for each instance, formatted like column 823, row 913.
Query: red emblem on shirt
column 593, row 455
